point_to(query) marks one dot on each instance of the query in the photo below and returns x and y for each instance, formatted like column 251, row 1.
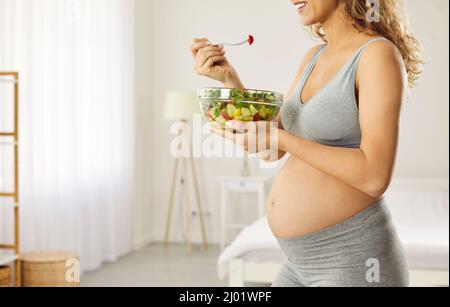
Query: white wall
column 164, row 31
column 425, row 126
column 143, row 208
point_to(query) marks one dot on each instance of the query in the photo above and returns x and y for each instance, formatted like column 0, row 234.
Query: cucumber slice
column 214, row 112
column 247, row 118
column 253, row 110
column 231, row 109
column 221, row 120
column 246, row 112
column 263, row 112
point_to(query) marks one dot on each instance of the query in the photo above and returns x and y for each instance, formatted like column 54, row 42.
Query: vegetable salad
column 222, row 105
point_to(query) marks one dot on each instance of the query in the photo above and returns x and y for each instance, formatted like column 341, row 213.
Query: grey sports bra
column 331, row 116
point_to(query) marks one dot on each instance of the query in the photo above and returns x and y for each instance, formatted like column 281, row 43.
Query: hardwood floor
column 152, row 267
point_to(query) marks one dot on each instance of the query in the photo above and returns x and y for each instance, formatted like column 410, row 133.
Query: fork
column 250, row 40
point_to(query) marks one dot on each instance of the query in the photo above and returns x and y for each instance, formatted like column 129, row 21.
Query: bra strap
column 354, row 63
column 377, row 39
column 313, row 61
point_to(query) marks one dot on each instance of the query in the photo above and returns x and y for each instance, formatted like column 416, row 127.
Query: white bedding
column 420, row 210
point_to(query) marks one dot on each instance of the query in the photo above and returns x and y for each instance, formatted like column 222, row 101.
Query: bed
column 420, row 209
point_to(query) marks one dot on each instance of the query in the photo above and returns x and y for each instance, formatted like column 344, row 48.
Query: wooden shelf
column 9, row 74
column 7, row 246
column 7, row 259
column 7, row 195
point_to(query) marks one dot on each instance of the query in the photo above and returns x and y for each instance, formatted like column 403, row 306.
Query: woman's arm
column 211, row 62
column 235, row 82
column 382, row 85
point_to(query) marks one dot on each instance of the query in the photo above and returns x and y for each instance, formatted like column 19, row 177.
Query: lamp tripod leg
column 199, row 205
column 187, row 208
column 171, row 202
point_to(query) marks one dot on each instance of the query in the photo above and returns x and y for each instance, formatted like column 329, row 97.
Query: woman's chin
column 306, row 21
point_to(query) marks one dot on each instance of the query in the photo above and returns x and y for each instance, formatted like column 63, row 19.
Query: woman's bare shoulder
column 380, row 51
column 385, row 58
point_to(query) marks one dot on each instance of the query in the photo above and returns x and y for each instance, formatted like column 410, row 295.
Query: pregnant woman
column 340, row 127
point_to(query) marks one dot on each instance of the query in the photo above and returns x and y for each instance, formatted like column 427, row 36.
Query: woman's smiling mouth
column 301, row 5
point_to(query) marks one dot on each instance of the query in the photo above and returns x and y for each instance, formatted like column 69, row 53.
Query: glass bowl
column 220, row 105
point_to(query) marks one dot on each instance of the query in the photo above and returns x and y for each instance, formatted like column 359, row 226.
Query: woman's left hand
column 254, row 137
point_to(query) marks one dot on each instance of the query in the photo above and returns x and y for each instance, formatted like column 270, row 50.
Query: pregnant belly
column 306, row 200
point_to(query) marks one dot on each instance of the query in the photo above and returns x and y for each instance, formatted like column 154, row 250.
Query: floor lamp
column 180, row 107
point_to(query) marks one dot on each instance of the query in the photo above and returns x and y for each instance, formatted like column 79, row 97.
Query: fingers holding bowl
column 237, row 126
column 235, row 133
column 225, row 133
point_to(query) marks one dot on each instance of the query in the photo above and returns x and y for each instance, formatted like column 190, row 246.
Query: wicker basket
column 48, row 269
column 5, row 276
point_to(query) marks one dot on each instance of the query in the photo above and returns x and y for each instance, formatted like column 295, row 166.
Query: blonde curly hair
column 388, row 19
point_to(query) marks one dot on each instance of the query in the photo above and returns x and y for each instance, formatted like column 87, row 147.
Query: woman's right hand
column 210, row 61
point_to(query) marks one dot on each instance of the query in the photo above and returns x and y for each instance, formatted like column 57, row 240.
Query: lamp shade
column 181, row 105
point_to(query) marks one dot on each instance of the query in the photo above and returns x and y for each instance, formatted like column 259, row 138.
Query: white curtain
column 75, row 59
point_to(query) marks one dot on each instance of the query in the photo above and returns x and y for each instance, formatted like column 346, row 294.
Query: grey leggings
column 363, row 251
